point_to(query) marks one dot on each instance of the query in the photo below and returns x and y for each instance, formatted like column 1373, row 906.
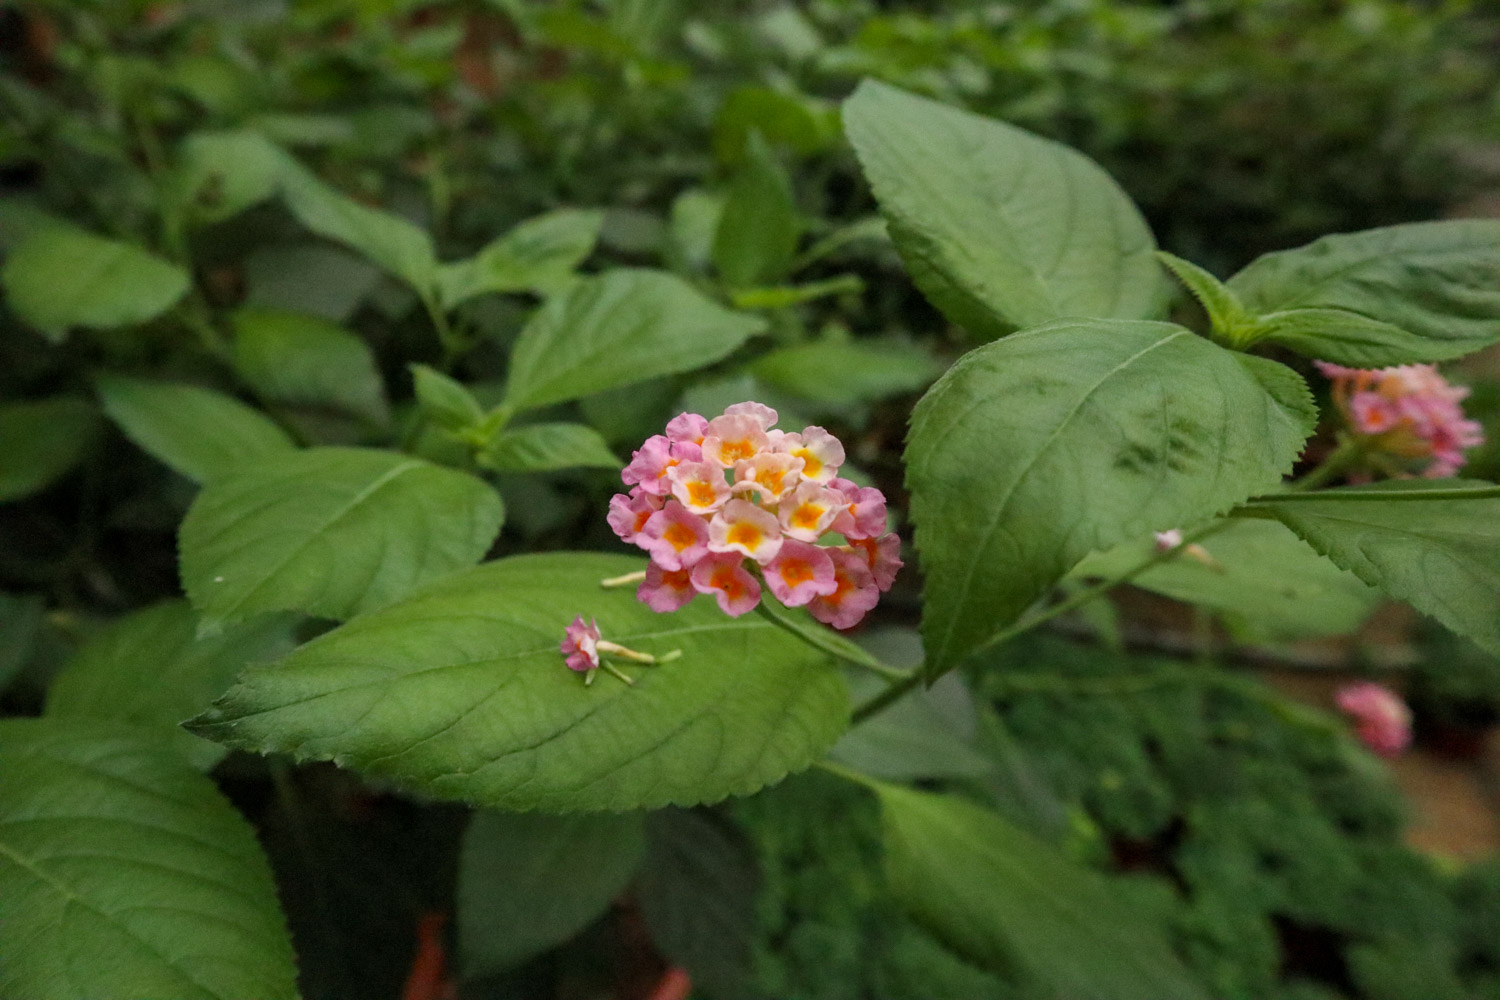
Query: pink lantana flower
column 628, row 514
column 734, row 438
column 763, row 414
column 1381, row 718
column 675, row 537
column 740, row 526
column 722, row 575
column 650, row 464
column 820, row 451
column 1409, row 411
column 687, row 428
column 809, row 511
column 580, row 645
column 770, row 475
column 855, row 592
column 882, row 556
column 864, row 517
column 666, row 590
column 800, row 572
column 699, row 486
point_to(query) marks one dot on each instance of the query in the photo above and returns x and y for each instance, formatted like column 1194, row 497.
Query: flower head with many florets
column 1409, row 411
column 723, row 506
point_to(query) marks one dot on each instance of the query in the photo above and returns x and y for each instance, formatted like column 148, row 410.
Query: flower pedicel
column 729, row 505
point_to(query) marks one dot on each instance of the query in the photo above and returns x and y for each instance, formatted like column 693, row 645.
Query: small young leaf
column 842, row 373
column 697, row 893
column 528, row 882
column 148, row 668
column 1263, row 579
column 1000, row 228
column 197, row 432
column 40, row 441
column 1014, row 904
column 59, row 277
column 544, row 447
column 759, row 227
column 623, row 326
column 445, row 401
column 1035, row 450
column 460, row 692
column 220, row 174
column 540, row 255
column 1225, row 311
column 1423, row 291
column 125, row 874
column 303, row 360
column 396, row 245
column 1442, row 555
column 333, row 532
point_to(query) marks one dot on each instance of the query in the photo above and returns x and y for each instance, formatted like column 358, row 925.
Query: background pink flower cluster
column 722, row 504
column 1410, row 410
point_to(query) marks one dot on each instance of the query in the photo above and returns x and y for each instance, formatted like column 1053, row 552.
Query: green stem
column 828, row 642
column 1349, row 453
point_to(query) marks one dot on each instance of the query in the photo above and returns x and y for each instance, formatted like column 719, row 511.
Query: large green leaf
column 460, row 692
column 149, row 668
column 125, row 874
column 330, row 531
column 539, row 255
column 544, row 447
column 59, row 277
column 1000, row 228
column 624, row 326
column 41, row 440
column 1033, row 451
column 1424, row 291
column 195, row 431
column 846, row 372
column 304, row 360
column 759, row 227
column 1262, row 579
column 393, row 243
column 1441, row 554
column 529, row 881
column 1014, row 904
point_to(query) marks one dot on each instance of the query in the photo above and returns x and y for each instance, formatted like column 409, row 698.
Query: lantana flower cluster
column 721, row 505
column 1409, row 411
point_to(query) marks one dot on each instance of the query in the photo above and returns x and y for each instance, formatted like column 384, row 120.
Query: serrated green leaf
column 623, row 326
column 41, row 440
column 1225, row 311
column 539, row 255
column 389, row 241
column 59, row 277
column 149, row 669
column 1423, row 291
column 197, row 432
column 759, row 227
column 332, row 532
column 460, row 692
column 304, row 360
column 1264, row 580
column 528, row 882
column 842, row 373
column 698, row 895
column 125, row 874
column 1440, row 554
column 1000, row 228
column 1033, row 451
column 545, row 447
column 1014, row 904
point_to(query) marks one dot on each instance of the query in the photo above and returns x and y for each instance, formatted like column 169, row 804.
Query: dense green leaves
column 1035, row 450
column 198, row 432
column 303, row 360
column 460, row 692
column 540, row 255
column 621, row 327
column 149, row 668
column 1000, row 228
column 1418, row 292
column 125, row 874
column 1440, row 552
column 1014, row 904
column 1261, row 579
column 528, row 881
column 759, row 227
column 40, row 441
column 59, row 277
column 330, row 531
column 544, row 447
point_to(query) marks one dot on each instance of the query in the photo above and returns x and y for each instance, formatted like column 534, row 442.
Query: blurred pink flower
column 1381, row 718
column 580, row 645
column 1409, row 411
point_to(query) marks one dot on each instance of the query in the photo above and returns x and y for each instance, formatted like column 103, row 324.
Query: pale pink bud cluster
column 1410, row 411
column 1381, row 718
column 721, row 505
column 580, row 645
